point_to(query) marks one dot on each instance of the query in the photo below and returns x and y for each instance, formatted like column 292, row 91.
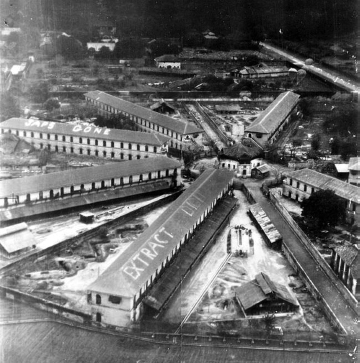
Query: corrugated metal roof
column 263, row 168
column 16, row 238
column 258, row 290
column 274, row 115
column 91, row 131
column 37, row 183
column 326, row 182
column 133, row 268
column 179, row 126
column 266, row 225
column 167, row 58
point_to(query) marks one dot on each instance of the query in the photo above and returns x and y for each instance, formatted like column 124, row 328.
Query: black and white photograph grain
column 179, row 181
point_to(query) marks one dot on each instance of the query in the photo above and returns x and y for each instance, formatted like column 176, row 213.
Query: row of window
column 138, row 120
column 88, row 152
column 16, row 200
column 297, row 184
column 63, row 138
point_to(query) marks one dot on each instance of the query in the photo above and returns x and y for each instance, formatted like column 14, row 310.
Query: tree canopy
column 69, row 47
column 8, row 107
column 323, row 208
column 298, row 20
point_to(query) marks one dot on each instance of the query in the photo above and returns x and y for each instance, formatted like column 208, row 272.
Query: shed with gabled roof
column 15, row 240
column 271, row 121
column 263, row 295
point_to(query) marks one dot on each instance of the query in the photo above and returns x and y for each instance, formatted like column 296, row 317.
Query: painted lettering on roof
column 78, row 128
column 192, row 204
column 137, row 264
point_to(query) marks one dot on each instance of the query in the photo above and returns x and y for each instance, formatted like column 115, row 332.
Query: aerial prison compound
column 146, row 119
column 118, row 294
column 86, row 140
column 133, row 177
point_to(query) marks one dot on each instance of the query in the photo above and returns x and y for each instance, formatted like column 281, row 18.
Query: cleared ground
column 218, row 305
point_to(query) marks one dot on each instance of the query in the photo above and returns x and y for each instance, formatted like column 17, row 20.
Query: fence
column 315, row 253
column 46, row 305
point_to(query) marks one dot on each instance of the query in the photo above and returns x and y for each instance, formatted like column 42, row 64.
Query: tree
column 39, row 93
column 315, row 142
column 323, row 208
column 40, row 73
column 105, row 52
column 51, row 103
column 8, row 107
column 129, row 48
column 69, row 47
column 348, row 148
column 304, row 107
column 335, row 145
column 269, row 320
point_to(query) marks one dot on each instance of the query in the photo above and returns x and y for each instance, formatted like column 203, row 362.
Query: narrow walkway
column 327, row 289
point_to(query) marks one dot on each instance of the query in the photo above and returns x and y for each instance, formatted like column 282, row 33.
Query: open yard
column 218, row 305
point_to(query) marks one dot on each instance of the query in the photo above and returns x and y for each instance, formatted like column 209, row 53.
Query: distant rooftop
column 16, row 238
column 354, row 163
column 167, row 58
column 246, row 149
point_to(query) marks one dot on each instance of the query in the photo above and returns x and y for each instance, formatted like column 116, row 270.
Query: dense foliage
column 298, row 20
column 323, row 208
column 8, row 107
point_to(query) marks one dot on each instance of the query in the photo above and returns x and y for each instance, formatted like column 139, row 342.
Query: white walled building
column 72, row 183
column 345, row 261
column 168, row 61
column 146, row 119
column 86, row 140
column 354, row 171
column 300, row 184
column 269, row 124
column 117, row 295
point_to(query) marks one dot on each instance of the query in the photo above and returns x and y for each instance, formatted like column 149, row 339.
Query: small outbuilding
column 168, row 61
column 162, row 107
column 262, row 295
column 342, row 171
column 16, row 240
column 86, row 217
column 261, row 172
